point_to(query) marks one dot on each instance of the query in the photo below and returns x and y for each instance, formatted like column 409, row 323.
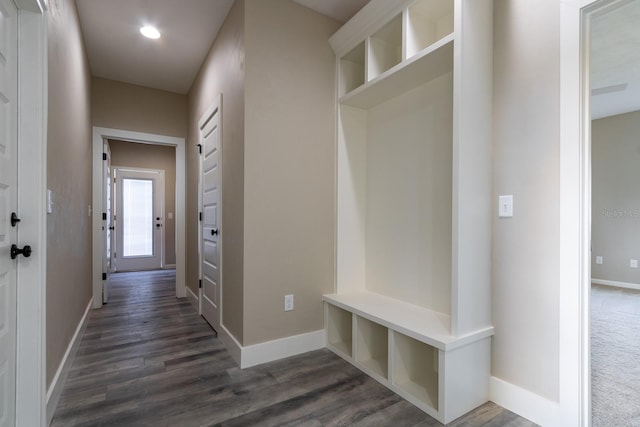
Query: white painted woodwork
column 8, row 204
column 414, row 210
column 107, row 193
column 32, row 177
column 210, row 225
column 99, row 135
column 143, row 262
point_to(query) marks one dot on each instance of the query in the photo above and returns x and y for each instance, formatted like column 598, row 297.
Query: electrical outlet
column 633, row 263
column 288, row 302
column 599, row 260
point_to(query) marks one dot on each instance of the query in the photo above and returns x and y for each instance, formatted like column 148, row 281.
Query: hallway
column 148, row 359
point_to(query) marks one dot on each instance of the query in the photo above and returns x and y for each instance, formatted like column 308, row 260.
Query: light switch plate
column 633, row 263
column 505, row 206
column 599, row 260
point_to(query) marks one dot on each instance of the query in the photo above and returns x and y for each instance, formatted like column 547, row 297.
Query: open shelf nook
column 352, row 70
column 427, row 21
column 339, row 330
column 372, row 349
column 415, row 369
column 385, row 48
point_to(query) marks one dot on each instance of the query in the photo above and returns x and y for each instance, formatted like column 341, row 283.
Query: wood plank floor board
column 148, row 359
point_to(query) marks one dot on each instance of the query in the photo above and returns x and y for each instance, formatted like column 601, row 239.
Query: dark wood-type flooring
column 148, row 359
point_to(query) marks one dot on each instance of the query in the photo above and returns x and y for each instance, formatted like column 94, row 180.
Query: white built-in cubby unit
column 412, row 304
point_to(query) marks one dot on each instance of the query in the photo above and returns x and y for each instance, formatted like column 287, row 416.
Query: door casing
column 99, row 135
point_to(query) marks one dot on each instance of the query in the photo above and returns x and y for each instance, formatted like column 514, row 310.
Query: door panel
column 210, row 230
column 107, row 263
column 8, row 204
column 139, row 200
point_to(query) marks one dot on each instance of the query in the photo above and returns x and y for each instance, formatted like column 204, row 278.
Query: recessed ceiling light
column 150, row 32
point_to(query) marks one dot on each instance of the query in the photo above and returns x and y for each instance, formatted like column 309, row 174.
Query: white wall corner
column 57, row 384
column 526, row 404
column 233, row 346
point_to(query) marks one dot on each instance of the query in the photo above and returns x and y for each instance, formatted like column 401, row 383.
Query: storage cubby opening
column 340, row 329
column 428, row 21
column 372, row 346
column 415, row 369
column 385, row 48
column 352, row 73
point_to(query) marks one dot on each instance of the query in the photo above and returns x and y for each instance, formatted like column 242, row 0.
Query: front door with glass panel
column 138, row 220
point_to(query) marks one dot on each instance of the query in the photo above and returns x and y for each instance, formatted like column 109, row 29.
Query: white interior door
column 139, row 221
column 8, row 205
column 107, row 226
column 210, row 231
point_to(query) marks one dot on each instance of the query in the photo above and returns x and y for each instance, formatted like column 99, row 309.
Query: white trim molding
column 194, row 300
column 265, row 352
column 99, row 135
column 625, row 285
column 528, row 405
column 32, row 157
column 59, row 380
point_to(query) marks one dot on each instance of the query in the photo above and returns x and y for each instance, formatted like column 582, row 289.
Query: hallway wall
column 135, row 108
column 69, row 177
column 223, row 73
column 526, row 248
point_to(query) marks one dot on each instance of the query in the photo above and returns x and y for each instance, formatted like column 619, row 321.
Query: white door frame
column 575, row 210
column 158, row 205
column 32, row 185
column 99, row 135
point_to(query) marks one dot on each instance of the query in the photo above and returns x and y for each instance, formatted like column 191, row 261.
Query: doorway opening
column 100, row 225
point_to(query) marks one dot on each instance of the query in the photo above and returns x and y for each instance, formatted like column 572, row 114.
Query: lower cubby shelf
column 372, row 349
column 408, row 350
column 415, row 369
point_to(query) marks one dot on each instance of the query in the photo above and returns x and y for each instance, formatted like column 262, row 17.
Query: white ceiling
column 117, row 51
column 615, row 61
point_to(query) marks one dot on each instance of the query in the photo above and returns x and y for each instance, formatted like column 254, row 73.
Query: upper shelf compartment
column 428, row 64
column 427, row 21
column 385, row 48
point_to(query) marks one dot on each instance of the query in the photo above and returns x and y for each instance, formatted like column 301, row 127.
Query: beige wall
column 222, row 73
column 153, row 157
column 526, row 165
column 289, row 168
column 616, row 197
column 135, row 108
column 69, row 177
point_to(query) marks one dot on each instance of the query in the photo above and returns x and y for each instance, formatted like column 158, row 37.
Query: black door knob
column 214, row 231
column 15, row 251
column 14, row 219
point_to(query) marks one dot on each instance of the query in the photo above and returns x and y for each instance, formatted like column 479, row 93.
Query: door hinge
column 200, row 283
column 200, row 148
column 115, row 255
column 104, row 216
column 200, row 216
column 104, row 156
column 104, row 276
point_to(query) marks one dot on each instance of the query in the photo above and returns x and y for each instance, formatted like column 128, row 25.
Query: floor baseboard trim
column 616, row 284
column 269, row 351
column 57, row 384
column 193, row 299
column 528, row 405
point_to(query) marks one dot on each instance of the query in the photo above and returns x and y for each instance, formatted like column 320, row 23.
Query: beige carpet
column 615, row 356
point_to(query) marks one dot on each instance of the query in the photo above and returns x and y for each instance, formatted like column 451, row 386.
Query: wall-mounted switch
column 633, row 263
column 505, row 206
column 288, row 302
column 49, row 201
column 599, row 260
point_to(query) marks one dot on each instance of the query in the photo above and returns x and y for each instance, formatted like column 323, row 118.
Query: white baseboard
column 528, row 405
column 269, row 351
column 193, row 299
column 169, row 267
column 617, row 284
column 57, row 384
